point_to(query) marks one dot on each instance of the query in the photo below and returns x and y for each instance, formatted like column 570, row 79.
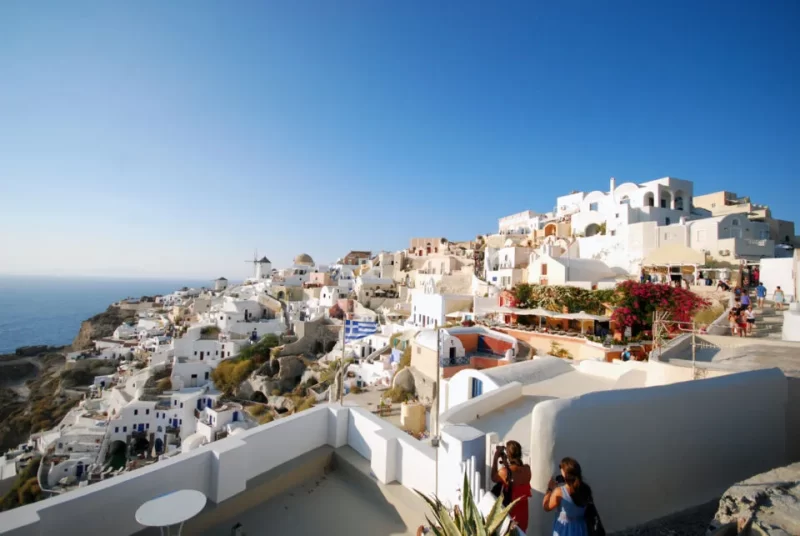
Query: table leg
column 180, row 528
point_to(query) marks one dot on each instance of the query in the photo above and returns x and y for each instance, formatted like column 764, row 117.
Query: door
column 141, row 427
column 79, row 470
column 452, row 356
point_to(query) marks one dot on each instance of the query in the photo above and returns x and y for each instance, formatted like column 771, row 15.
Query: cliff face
column 101, row 325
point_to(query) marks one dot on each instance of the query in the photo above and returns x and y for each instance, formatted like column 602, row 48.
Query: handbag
column 593, row 523
column 505, row 491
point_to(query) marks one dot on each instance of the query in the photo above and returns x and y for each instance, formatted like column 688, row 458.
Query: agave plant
column 468, row 520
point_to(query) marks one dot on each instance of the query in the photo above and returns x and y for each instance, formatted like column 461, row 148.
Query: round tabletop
column 171, row 508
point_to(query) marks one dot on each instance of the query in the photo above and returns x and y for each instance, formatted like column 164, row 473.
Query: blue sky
column 173, row 138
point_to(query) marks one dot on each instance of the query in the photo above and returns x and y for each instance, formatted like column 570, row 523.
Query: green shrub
column 230, row 374
column 266, row 418
column 257, row 410
column 397, row 395
column 164, row 384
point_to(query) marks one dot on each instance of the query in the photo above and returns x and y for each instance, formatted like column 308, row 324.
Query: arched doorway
column 679, row 203
column 550, row 229
column 140, row 445
column 649, row 200
column 592, row 229
column 159, row 444
column 666, row 199
column 118, row 454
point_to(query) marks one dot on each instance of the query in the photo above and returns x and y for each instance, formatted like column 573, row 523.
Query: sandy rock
column 769, row 503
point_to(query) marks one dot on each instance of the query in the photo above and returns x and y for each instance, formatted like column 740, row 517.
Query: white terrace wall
column 221, row 470
column 651, row 452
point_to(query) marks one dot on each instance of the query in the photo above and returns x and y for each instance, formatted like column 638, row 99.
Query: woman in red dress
column 516, row 479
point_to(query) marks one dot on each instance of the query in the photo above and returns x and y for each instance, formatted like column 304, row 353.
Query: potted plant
column 468, row 520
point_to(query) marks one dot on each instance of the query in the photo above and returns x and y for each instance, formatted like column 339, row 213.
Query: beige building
column 725, row 203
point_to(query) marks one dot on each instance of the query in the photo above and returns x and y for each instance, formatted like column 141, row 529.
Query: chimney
column 613, row 185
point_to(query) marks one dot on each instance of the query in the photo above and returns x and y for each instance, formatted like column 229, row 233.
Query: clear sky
column 172, row 138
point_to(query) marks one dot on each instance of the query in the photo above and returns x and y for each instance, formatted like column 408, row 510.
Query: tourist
column 761, row 293
column 741, row 319
column 732, row 322
column 750, row 315
column 515, row 480
column 745, row 299
column 778, row 298
column 570, row 498
column 626, row 354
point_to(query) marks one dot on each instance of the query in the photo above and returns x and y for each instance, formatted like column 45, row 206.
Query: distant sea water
column 49, row 310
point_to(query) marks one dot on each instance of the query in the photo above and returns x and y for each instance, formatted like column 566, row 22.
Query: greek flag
column 354, row 330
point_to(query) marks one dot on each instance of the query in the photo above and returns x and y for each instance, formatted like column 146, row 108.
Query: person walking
column 761, row 293
column 515, row 478
column 571, row 499
column 778, row 297
column 745, row 299
column 750, row 315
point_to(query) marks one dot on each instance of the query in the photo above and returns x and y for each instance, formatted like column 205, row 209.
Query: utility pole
column 694, row 351
column 341, row 371
column 435, row 410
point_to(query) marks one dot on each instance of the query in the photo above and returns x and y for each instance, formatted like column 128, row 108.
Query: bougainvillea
column 636, row 302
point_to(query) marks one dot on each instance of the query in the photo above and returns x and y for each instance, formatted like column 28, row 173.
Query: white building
column 548, row 269
column 505, row 267
column 429, row 309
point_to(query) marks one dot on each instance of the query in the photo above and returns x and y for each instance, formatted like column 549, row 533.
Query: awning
column 585, row 316
column 674, row 255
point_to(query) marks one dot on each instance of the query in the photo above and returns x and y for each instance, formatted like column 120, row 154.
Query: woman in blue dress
column 569, row 499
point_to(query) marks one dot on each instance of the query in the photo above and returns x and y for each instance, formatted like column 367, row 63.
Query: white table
column 173, row 508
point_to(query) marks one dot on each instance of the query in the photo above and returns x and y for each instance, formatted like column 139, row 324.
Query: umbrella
column 583, row 316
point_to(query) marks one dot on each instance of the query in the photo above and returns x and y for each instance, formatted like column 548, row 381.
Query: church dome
column 304, row 259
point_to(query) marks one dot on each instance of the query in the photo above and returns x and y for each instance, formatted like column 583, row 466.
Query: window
column 616, row 215
column 174, row 402
column 663, row 203
column 147, row 426
column 124, row 429
column 116, row 429
column 735, row 222
column 713, row 205
column 544, row 269
column 195, row 352
column 613, row 233
column 181, row 404
column 136, row 412
column 593, row 206
column 147, row 412
column 667, row 221
column 206, row 375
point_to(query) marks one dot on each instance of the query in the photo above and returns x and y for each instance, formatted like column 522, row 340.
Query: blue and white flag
column 354, row 330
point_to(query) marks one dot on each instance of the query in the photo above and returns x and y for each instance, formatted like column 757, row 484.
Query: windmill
column 254, row 262
column 261, row 267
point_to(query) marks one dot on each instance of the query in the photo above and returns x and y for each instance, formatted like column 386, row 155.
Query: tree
column 468, row 520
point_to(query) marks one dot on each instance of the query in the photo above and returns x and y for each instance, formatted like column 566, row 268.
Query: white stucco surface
column 651, row 452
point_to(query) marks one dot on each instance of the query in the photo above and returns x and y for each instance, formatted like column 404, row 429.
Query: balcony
column 334, row 456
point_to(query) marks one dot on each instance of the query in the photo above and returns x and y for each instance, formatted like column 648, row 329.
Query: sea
column 49, row 310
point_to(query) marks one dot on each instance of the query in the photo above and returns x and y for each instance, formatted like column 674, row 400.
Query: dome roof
column 304, row 258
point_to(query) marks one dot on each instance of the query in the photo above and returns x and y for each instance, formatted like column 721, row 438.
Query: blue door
column 141, row 427
column 174, row 423
column 477, row 387
column 235, row 416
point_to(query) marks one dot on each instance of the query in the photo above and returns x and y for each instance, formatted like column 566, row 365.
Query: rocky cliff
column 768, row 503
column 101, row 325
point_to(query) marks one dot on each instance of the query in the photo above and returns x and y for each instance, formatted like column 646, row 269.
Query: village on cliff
column 602, row 330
